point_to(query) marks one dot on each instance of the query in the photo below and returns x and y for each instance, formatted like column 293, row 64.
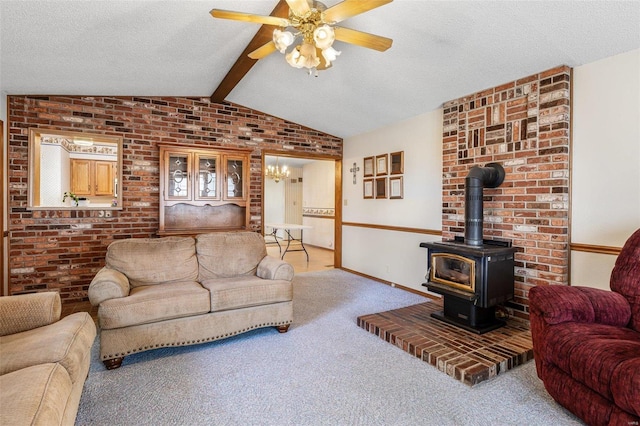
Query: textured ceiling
column 441, row 50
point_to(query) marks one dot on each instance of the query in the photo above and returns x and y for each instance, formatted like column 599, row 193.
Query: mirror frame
column 34, row 166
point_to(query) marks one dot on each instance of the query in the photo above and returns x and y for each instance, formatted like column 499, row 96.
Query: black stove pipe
column 490, row 176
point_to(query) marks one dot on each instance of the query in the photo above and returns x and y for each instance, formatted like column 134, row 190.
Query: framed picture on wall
column 368, row 166
column 397, row 162
column 381, row 187
column 396, row 190
column 368, row 188
column 381, row 164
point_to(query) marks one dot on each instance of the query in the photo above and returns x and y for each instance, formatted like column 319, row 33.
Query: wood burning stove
column 472, row 280
column 473, row 275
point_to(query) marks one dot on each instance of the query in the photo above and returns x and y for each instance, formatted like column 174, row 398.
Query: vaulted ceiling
column 441, row 50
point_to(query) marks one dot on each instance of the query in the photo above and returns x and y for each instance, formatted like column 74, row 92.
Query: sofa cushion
column 108, row 284
column 625, row 385
column 35, row 395
column 241, row 292
column 594, row 357
column 152, row 303
column 229, row 254
column 26, row 311
column 149, row 261
column 578, row 398
column 272, row 268
column 625, row 277
column 67, row 342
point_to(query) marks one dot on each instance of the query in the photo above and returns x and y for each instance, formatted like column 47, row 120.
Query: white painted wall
column 394, row 256
column 318, row 189
column 55, row 175
column 293, row 199
column 321, row 233
column 605, row 187
column 273, row 204
column 318, row 184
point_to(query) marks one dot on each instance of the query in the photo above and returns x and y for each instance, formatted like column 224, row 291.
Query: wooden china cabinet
column 203, row 190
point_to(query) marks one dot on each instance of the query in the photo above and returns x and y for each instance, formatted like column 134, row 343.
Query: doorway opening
column 300, row 218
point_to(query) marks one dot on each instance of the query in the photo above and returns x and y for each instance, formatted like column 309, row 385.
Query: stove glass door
column 453, row 270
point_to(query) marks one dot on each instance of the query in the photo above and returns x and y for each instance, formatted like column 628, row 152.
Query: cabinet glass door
column 235, row 178
column 207, row 175
column 178, row 176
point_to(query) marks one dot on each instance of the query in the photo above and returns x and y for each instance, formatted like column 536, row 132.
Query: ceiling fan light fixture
column 282, row 39
column 292, row 57
column 330, row 54
column 303, row 56
column 324, row 36
column 308, row 56
column 317, row 39
column 310, row 29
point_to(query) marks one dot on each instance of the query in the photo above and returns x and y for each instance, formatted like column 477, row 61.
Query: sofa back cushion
column 229, row 254
column 149, row 261
column 625, row 277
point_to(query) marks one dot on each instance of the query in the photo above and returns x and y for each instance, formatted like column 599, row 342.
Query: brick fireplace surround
column 525, row 126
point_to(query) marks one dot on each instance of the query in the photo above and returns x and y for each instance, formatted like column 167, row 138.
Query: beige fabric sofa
column 44, row 360
column 175, row 291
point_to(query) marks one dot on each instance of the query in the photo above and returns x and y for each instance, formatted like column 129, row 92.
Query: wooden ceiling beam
column 244, row 63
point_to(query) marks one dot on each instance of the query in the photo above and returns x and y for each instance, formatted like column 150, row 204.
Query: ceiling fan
column 313, row 26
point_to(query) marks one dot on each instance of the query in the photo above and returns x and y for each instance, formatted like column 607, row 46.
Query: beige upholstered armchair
column 44, row 360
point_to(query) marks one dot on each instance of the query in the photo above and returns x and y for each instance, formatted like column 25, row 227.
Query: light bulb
column 282, row 39
column 330, row 54
column 308, row 56
column 324, row 36
column 293, row 57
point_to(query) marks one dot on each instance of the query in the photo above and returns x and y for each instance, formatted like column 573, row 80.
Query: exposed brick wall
column 62, row 250
column 523, row 125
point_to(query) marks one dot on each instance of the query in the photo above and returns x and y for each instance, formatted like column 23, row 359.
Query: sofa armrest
column 556, row 304
column 272, row 268
column 28, row 311
column 108, row 284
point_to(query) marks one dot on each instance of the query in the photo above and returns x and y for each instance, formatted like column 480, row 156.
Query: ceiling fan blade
column 248, row 17
column 262, row 51
column 363, row 39
column 349, row 8
column 244, row 63
column 299, row 7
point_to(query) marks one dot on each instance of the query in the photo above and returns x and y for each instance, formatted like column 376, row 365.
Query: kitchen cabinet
column 92, row 177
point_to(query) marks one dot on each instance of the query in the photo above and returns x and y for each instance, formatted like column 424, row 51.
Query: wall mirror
column 74, row 170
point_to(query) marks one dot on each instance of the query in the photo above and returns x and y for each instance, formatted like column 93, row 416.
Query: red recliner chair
column 586, row 343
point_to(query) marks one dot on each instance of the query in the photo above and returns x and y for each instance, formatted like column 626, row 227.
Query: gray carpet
column 324, row 371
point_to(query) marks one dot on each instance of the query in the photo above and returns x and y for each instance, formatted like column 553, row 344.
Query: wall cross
column 353, row 170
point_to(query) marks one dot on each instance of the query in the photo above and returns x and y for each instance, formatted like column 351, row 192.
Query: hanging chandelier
column 275, row 172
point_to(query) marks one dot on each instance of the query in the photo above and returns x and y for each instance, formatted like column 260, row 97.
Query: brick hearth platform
column 465, row 356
